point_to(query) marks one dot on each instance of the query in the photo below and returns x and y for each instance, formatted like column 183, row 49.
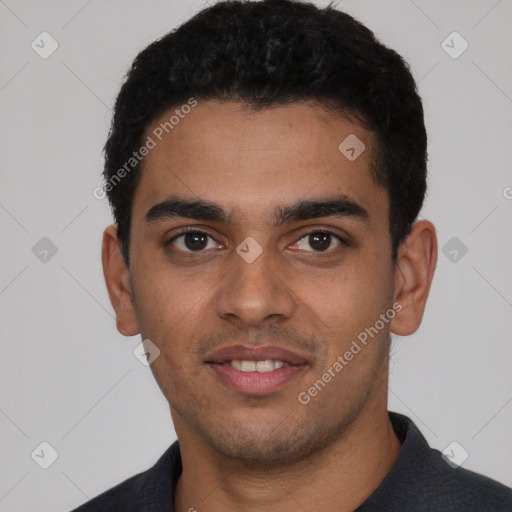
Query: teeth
column 248, row 366
column 267, row 365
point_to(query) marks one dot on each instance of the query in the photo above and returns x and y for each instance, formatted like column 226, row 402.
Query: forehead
column 251, row 161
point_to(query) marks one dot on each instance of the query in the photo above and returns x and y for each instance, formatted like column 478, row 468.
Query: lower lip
column 256, row 383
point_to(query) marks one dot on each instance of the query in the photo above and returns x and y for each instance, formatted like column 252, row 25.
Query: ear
column 117, row 279
column 415, row 265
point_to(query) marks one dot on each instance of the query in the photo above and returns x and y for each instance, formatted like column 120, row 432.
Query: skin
column 242, row 452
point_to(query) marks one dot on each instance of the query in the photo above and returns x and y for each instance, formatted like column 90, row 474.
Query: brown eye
column 192, row 241
column 195, row 241
column 318, row 241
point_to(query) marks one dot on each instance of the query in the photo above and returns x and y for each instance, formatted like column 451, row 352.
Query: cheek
column 346, row 306
column 162, row 300
column 169, row 311
column 352, row 296
column 174, row 309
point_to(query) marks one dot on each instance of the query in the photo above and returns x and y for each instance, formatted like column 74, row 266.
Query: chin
column 272, row 445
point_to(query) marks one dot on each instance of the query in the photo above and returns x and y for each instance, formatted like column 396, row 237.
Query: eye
column 193, row 241
column 319, row 241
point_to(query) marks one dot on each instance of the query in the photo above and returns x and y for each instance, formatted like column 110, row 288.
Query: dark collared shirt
column 420, row 481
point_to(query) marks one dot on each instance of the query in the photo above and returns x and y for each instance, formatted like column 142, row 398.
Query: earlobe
column 117, row 279
column 416, row 262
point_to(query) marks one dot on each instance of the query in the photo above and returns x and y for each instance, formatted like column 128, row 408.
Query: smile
column 264, row 366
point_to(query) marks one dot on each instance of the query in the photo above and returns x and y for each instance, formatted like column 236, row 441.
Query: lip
column 240, row 352
column 255, row 383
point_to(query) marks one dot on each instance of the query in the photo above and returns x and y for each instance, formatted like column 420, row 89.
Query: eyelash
column 194, row 231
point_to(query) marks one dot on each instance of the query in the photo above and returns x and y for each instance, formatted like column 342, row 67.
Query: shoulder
column 461, row 489
column 488, row 494
column 124, row 496
column 423, row 481
column 149, row 490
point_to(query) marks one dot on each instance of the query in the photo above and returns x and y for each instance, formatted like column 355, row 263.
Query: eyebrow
column 338, row 206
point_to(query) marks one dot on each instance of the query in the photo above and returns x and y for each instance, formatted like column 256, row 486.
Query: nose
column 254, row 292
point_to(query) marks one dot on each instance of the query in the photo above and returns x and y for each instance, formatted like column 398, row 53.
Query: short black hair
column 269, row 53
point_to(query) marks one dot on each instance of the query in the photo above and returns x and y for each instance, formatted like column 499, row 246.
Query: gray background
column 70, row 379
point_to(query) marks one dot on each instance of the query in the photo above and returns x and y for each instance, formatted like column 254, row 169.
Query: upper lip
column 261, row 353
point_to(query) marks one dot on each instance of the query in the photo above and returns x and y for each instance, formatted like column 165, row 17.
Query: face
column 231, row 259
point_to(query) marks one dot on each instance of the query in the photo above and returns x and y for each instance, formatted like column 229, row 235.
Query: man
column 266, row 166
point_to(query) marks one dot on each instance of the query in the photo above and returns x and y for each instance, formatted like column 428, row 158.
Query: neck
column 340, row 478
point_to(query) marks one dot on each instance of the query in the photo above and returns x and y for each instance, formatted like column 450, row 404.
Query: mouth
column 263, row 366
column 255, row 371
